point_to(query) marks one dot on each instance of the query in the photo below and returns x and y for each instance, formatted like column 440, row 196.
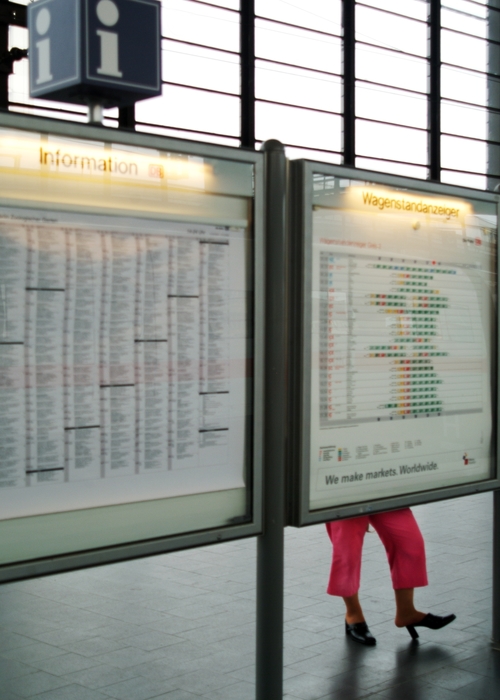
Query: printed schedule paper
column 403, row 287
column 123, row 360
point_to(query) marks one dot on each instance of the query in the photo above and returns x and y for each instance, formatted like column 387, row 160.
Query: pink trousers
column 401, row 538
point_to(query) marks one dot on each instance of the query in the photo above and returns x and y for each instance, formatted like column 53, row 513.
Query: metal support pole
column 270, row 545
column 96, row 113
column 247, row 48
column 496, row 571
column 11, row 13
column 493, row 183
column 126, row 118
column 5, row 69
column 349, row 84
column 434, row 103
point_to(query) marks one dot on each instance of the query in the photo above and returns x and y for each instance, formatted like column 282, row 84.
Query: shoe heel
column 413, row 632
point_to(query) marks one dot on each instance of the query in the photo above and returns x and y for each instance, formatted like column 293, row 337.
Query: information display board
column 396, row 399
column 130, row 325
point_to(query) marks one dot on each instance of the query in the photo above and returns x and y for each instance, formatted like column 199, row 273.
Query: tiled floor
column 181, row 626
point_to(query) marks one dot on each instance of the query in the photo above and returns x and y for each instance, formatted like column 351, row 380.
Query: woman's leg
column 404, row 545
column 347, row 540
column 406, row 612
column 353, row 609
column 405, row 549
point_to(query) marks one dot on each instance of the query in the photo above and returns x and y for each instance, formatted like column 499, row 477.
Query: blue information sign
column 105, row 50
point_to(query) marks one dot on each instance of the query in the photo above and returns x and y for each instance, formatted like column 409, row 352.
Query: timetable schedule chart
column 399, row 339
column 401, row 344
column 123, row 356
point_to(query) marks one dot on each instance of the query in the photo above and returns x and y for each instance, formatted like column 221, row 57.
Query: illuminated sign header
column 421, row 206
column 386, row 200
column 67, row 157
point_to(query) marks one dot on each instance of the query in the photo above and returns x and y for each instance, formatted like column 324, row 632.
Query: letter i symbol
column 42, row 24
column 107, row 13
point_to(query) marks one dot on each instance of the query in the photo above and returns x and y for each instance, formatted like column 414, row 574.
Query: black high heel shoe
column 360, row 633
column 433, row 622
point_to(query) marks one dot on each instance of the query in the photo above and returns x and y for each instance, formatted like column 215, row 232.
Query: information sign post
column 90, row 52
column 131, row 334
column 395, row 341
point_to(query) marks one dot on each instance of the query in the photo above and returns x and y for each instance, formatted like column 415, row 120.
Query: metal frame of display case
column 242, row 527
column 300, row 213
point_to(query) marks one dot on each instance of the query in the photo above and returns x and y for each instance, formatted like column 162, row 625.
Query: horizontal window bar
column 412, row 9
column 472, row 105
column 470, row 138
column 388, row 48
column 178, row 133
column 313, row 14
column 219, row 7
column 490, row 76
column 458, row 11
column 391, row 12
column 50, row 113
column 390, row 160
column 469, row 172
column 482, row 5
column 472, row 36
column 379, row 121
column 29, row 105
column 200, row 46
column 307, row 148
column 296, row 65
column 360, row 81
column 201, row 89
column 191, row 131
column 297, row 26
column 395, row 168
column 233, row 22
column 296, row 106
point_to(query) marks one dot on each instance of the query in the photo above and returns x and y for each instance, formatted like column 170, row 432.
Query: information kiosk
column 131, row 324
column 394, row 335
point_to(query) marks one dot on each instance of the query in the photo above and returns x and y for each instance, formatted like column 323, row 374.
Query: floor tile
column 100, row 676
column 71, row 692
column 138, row 689
column 36, row 651
column 38, row 682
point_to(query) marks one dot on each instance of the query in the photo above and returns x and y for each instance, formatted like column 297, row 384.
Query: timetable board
column 128, row 322
column 122, row 354
column 400, row 291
